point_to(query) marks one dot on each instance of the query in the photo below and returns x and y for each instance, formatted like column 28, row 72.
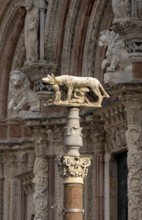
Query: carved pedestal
column 133, row 105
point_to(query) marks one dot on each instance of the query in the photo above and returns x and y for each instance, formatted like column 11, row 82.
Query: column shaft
column 40, row 174
column 73, row 194
column 1, row 190
column 134, row 142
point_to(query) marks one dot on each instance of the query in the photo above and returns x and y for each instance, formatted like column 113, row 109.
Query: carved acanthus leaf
column 70, row 166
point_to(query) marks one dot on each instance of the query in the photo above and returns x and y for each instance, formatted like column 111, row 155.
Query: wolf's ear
column 53, row 76
column 49, row 76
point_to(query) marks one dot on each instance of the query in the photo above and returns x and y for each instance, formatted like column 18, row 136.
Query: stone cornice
column 15, row 144
column 129, row 29
column 125, row 88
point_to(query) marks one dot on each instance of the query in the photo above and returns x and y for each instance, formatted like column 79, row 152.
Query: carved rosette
column 134, row 142
column 73, row 169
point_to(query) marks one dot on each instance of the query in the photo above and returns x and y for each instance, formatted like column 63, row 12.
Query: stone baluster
column 73, row 168
column 40, row 174
column 133, row 104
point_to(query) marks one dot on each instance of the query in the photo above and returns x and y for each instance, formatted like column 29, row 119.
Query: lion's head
column 107, row 37
column 18, row 79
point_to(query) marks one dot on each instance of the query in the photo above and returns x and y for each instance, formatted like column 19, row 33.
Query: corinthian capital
column 73, row 168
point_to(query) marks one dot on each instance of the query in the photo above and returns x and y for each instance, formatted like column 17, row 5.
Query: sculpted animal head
column 18, row 79
column 107, row 37
column 50, row 79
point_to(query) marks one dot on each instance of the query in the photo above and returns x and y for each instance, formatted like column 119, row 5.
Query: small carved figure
column 22, row 95
column 79, row 96
column 57, row 93
column 121, row 10
column 117, row 57
column 74, row 82
column 31, row 32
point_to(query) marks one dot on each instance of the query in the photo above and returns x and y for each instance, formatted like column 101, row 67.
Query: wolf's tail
column 104, row 93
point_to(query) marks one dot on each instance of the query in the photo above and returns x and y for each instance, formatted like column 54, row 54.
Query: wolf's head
column 50, row 79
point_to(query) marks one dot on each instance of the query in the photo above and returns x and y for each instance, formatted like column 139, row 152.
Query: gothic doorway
column 122, row 174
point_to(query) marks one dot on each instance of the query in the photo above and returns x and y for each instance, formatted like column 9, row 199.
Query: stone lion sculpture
column 117, row 57
column 22, row 95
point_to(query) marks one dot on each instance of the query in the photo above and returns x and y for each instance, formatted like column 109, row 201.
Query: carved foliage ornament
column 70, row 166
column 78, row 90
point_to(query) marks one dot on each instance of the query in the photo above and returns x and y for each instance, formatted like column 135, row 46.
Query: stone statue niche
column 121, row 10
column 22, row 95
column 117, row 61
column 79, row 91
column 31, row 32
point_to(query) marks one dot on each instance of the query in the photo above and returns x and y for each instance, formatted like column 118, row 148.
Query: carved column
column 73, row 168
column 133, row 104
column 42, row 28
column 9, row 187
column 40, row 174
column 97, row 133
column 1, row 189
column 20, row 167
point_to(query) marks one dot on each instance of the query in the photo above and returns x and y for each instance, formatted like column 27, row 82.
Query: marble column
column 133, row 104
column 97, row 139
column 42, row 28
column 40, row 174
column 1, row 189
column 73, row 168
column 9, row 209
